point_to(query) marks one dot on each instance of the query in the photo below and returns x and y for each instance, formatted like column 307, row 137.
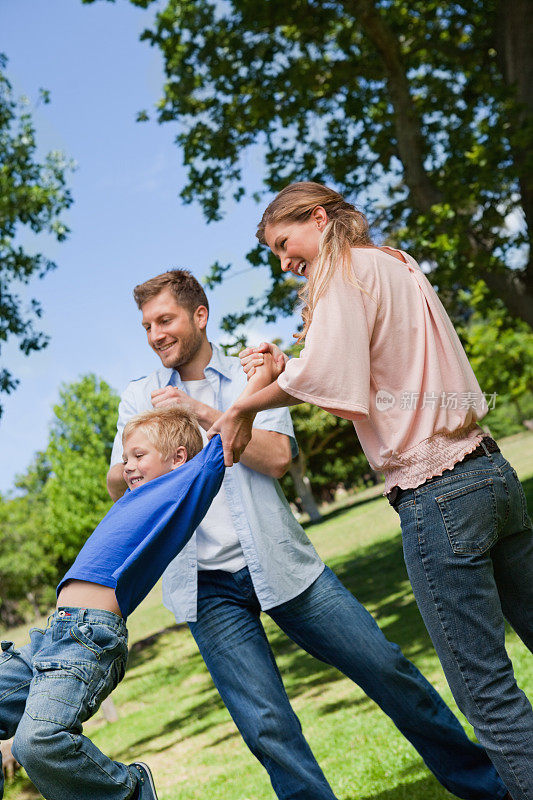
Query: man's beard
column 188, row 348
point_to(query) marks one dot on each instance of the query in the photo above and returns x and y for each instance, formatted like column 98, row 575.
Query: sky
column 127, row 221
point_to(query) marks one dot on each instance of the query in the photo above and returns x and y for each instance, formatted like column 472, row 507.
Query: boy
column 55, row 683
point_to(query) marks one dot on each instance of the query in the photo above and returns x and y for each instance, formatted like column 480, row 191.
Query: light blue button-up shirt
column 281, row 559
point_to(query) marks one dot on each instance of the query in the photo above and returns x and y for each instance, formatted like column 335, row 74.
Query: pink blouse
column 382, row 352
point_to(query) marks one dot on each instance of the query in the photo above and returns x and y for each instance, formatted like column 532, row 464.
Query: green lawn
column 172, row 717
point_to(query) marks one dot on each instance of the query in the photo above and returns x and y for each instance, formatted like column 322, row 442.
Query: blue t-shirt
column 144, row 530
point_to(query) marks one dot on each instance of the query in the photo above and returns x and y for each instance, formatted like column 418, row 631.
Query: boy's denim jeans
column 468, row 544
column 328, row 622
column 49, row 688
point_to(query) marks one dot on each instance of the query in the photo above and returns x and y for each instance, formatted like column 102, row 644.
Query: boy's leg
column 82, row 658
column 15, row 678
column 331, row 624
column 452, row 528
column 235, row 649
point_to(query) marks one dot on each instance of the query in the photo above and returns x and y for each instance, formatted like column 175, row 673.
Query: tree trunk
column 303, row 489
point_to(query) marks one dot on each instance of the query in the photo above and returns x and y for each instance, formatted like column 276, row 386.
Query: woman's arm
column 235, row 425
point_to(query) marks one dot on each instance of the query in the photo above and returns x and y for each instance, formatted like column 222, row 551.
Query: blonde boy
column 54, row 684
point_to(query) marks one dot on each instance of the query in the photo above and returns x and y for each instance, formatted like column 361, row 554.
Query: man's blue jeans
column 468, row 544
column 328, row 622
column 49, row 688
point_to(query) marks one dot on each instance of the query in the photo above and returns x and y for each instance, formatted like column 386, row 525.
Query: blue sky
column 127, row 222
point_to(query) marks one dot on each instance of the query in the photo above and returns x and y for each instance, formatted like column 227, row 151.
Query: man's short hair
column 182, row 284
column 168, row 428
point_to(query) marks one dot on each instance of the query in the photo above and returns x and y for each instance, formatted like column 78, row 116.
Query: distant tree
column 78, row 453
column 26, row 573
column 59, row 501
column 32, row 196
column 422, row 111
column 500, row 350
column 329, row 455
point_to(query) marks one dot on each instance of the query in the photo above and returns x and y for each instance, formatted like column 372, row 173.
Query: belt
column 486, row 445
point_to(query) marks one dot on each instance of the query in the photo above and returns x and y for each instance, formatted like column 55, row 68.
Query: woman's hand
column 252, row 357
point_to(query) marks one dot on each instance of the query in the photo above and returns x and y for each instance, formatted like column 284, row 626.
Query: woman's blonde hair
column 168, row 428
column 347, row 227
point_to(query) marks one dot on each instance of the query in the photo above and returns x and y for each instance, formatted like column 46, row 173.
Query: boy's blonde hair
column 347, row 227
column 168, row 428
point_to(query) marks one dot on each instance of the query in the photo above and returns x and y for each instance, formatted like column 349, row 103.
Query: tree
column 500, row 350
column 33, row 195
column 62, row 497
column 78, row 452
column 329, row 455
column 26, row 574
column 425, row 108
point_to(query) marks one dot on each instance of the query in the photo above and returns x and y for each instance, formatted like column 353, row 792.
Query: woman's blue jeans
column 328, row 622
column 468, row 544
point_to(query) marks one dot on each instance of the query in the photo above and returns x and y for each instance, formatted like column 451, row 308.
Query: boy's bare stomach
column 84, row 594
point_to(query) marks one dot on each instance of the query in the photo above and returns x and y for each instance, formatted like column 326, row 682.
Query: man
column 250, row 554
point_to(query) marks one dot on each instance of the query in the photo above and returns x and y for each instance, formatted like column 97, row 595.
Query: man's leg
column 235, row 649
column 328, row 622
column 77, row 665
column 15, row 678
column 464, row 544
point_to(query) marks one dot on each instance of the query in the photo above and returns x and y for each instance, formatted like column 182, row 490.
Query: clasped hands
column 262, row 365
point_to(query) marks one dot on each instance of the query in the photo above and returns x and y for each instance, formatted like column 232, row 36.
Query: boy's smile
column 142, row 461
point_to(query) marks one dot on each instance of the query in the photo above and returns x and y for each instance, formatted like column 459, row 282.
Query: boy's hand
column 253, row 357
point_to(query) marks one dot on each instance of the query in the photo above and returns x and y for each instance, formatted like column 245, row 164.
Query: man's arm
column 116, row 485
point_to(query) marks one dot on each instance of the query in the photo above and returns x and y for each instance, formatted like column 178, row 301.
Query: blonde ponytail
column 346, row 228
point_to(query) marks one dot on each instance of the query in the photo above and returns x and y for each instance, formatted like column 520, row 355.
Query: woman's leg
column 331, row 624
column 452, row 526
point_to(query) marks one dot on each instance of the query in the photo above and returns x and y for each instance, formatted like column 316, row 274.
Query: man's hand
column 170, row 396
column 116, row 485
column 253, row 357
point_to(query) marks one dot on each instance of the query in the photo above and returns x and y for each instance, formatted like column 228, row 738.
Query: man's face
column 171, row 332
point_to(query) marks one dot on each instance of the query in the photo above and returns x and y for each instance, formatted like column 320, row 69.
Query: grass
column 171, row 715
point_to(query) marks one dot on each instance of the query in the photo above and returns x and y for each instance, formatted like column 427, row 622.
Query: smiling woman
column 374, row 328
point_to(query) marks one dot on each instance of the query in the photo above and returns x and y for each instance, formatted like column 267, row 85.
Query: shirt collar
column 219, row 363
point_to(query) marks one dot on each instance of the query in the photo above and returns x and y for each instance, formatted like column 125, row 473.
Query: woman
column 380, row 350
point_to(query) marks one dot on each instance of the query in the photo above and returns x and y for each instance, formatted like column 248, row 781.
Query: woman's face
column 296, row 243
